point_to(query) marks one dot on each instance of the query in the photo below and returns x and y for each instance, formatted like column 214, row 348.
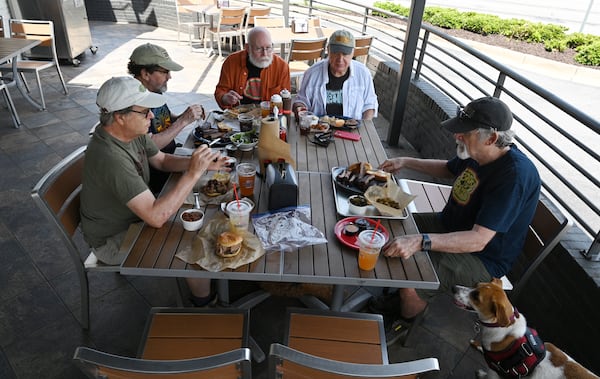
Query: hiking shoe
column 398, row 330
column 385, row 304
column 204, row 302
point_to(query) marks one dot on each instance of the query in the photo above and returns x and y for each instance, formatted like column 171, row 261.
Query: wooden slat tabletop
column 152, row 251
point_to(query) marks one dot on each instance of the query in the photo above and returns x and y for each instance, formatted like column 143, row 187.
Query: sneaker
column 385, row 304
column 204, row 302
column 398, row 330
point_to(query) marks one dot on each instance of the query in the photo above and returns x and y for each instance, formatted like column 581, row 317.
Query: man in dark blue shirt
column 482, row 229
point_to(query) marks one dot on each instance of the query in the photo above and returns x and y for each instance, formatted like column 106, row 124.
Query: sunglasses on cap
column 462, row 115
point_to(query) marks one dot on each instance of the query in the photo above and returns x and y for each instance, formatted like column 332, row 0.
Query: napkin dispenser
column 282, row 185
column 300, row 25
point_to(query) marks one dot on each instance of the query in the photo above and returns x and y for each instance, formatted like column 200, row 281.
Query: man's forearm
column 432, row 167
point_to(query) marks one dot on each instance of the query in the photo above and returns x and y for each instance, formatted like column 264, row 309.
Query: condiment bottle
column 286, row 97
column 276, row 101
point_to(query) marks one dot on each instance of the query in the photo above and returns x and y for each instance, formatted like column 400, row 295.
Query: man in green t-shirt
column 116, row 172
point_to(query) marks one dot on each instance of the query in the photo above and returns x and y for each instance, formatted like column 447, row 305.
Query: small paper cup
column 192, row 219
column 358, row 210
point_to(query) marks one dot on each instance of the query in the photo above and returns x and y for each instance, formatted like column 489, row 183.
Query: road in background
column 568, row 13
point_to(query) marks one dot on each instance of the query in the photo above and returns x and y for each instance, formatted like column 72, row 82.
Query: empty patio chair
column 44, row 31
column 230, row 23
column 183, row 20
column 180, row 342
column 303, row 53
column 323, row 344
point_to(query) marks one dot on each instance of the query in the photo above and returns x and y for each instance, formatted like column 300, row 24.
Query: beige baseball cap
column 149, row 54
column 341, row 41
column 122, row 92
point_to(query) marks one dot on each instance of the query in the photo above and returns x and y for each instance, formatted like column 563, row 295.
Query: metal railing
column 561, row 139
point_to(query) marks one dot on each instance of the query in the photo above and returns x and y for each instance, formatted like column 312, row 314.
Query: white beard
column 263, row 63
column 461, row 150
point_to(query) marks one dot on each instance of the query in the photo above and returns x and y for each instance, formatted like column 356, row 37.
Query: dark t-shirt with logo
column 334, row 104
column 252, row 90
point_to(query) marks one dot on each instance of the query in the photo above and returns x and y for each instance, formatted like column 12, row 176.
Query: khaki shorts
column 452, row 269
column 109, row 252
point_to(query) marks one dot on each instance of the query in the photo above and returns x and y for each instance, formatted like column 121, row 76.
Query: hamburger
column 229, row 244
column 218, row 185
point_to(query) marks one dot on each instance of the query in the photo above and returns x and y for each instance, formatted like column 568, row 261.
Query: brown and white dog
column 510, row 348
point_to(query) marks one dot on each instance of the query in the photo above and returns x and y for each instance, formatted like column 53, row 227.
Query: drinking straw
column 236, row 196
column 375, row 230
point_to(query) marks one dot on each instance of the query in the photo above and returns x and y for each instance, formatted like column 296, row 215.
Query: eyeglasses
column 166, row 72
column 267, row 49
column 462, row 115
column 143, row 113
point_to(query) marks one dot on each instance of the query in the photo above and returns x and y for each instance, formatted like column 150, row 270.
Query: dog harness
column 520, row 358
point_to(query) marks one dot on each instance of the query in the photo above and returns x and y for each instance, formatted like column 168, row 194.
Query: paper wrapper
column 270, row 146
column 204, row 246
column 210, row 200
column 392, row 191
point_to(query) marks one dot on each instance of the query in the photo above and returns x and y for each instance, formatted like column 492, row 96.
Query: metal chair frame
column 57, row 196
column 44, row 31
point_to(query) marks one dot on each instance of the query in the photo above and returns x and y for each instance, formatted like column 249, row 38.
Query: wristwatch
column 426, row 243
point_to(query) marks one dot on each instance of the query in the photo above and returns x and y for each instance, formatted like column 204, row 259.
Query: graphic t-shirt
column 252, row 90
column 501, row 196
column 334, row 103
column 161, row 122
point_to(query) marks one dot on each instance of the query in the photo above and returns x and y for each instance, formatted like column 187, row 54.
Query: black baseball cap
column 486, row 112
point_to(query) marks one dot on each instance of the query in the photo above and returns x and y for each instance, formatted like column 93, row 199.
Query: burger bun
column 229, row 244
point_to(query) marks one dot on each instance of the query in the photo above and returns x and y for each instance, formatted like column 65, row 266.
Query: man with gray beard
column 253, row 74
column 482, row 229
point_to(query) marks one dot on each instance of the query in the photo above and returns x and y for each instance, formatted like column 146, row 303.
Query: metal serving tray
column 341, row 202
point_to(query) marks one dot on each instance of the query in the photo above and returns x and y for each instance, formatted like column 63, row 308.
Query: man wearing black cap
column 338, row 85
column 482, row 229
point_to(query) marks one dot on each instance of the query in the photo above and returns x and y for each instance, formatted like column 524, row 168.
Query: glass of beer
column 265, row 108
column 246, row 173
column 370, row 243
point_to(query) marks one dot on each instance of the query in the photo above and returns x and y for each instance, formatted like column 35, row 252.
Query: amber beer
column 246, row 173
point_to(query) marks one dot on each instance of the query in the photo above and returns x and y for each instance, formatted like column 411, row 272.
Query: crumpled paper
column 209, row 200
column 392, row 191
column 204, row 246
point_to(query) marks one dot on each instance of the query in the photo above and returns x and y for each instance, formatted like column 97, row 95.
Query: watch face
column 426, row 244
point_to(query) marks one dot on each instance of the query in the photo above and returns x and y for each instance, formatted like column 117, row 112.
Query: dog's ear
column 504, row 310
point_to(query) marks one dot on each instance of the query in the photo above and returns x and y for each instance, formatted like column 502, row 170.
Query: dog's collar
column 514, row 316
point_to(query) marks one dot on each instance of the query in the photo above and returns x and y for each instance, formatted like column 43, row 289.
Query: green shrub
column 552, row 36
column 589, row 54
column 442, row 17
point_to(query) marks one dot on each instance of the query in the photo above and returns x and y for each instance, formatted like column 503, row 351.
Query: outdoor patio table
column 10, row 49
column 151, row 251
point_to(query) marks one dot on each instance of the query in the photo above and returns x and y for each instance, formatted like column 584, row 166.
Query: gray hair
column 256, row 31
column 505, row 138
column 107, row 118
